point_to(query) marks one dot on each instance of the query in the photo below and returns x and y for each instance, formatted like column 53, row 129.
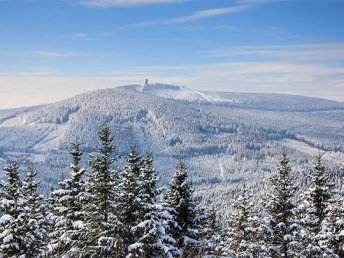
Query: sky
column 53, row 49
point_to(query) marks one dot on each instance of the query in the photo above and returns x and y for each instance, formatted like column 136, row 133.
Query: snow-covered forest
column 223, row 138
column 119, row 210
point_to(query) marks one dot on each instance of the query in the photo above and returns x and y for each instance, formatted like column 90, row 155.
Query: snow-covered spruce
column 243, row 231
column 190, row 221
column 143, row 210
column 65, row 237
column 102, row 234
column 35, row 226
column 319, row 214
column 12, row 210
column 281, row 223
column 215, row 244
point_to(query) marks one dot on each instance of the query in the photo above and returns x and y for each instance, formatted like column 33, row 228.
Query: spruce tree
column 320, row 195
column 189, row 219
column 68, row 214
column 318, row 203
column 35, row 221
column 102, row 230
column 149, row 180
column 179, row 196
column 152, row 228
column 336, row 220
column 244, row 226
column 130, row 202
column 280, row 211
column 77, row 193
column 213, row 224
column 58, row 238
column 332, row 227
column 216, row 236
column 12, row 219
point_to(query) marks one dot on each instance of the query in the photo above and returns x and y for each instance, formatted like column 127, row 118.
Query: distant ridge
column 265, row 101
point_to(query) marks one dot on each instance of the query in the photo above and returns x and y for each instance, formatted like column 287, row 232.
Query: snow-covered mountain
column 224, row 138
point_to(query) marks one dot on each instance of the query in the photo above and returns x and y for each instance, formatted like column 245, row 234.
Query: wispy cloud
column 150, row 70
column 59, row 54
column 77, row 36
column 51, row 54
column 237, row 70
column 34, row 71
column 276, row 32
column 124, row 3
column 259, row 1
column 302, row 52
column 202, row 14
column 321, row 80
column 208, row 13
column 203, row 27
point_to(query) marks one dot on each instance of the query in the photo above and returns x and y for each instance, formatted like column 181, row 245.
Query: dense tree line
column 114, row 212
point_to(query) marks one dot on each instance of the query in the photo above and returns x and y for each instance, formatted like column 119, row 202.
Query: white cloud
column 207, row 13
column 51, row 54
column 77, row 36
column 272, row 77
column 44, row 53
column 304, row 52
column 124, row 3
column 149, row 70
column 39, row 71
column 258, row 1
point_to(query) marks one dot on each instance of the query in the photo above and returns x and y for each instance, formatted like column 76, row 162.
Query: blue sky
column 52, row 49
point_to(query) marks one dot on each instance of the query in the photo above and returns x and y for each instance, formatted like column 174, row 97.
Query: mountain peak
column 175, row 92
column 153, row 88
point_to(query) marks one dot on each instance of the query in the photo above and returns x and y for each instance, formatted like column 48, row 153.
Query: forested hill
column 223, row 138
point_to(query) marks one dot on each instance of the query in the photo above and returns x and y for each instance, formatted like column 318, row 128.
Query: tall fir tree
column 149, row 180
column 336, row 220
column 58, row 239
column 189, row 219
column 332, row 227
column 13, row 217
column 320, row 194
column 68, row 214
column 215, row 245
column 65, row 237
column 102, row 228
column 130, row 203
column 34, row 235
column 77, row 193
column 243, row 238
column 318, row 203
column 281, row 220
column 152, row 228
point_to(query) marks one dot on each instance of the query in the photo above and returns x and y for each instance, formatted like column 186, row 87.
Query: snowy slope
column 177, row 92
column 256, row 101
